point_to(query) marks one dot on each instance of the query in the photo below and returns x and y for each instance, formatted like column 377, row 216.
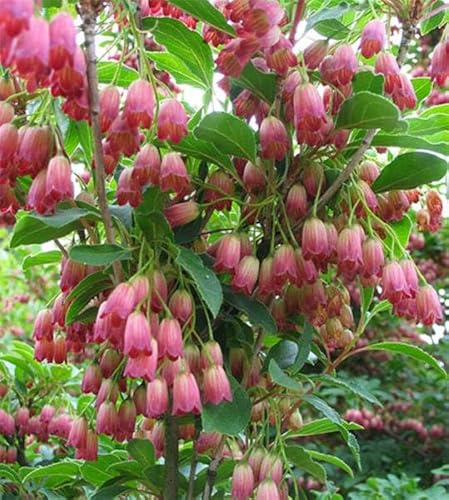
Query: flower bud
column 181, row 306
column 109, row 107
column 182, row 213
column 228, row 254
column 216, row 385
column 107, row 419
column 296, row 202
column 274, row 139
column 242, row 481
column 315, row 53
column 246, row 274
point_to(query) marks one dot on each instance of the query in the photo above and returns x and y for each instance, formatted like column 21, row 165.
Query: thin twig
column 89, row 18
column 300, row 8
column 212, row 470
column 171, row 458
column 60, row 246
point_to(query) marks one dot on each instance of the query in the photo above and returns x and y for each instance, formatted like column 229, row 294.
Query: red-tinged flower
column 311, row 121
column 109, row 362
column 90, row 451
column 313, row 178
column 340, row 68
column 173, row 174
column 373, row 258
column 434, row 203
column 387, row 65
column 77, row 108
column 182, row 213
column 332, row 240
column 58, row 184
column 172, row 121
column 109, row 107
column 137, row 339
column 192, row 357
column 78, row 433
column 35, row 146
column 43, row 327
column 47, row 413
column 373, row 38
column 236, row 55
column 70, row 81
column 349, row 251
column 62, row 41
column 296, row 202
column 228, row 254
column 139, row 398
column 207, row 442
column 267, row 284
column 245, row 104
column 211, row 354
column 409, row 269
column 122, row 138
column 255, row 460
column 128, row 189
column 127, row 418
column 284, row 265
column 169, row 339
column 428, row 306
column 315, row 53
column 288, row 91
column 440, row 63
column 109, row 391
column 186, row 395
column 6, row 113
column 369, row 172
column 22, row 417
column 143, row 366
column 271, row 467
column 246, row 273
column 15, row 16
column 107, row 419
column 7, row 88
column 254, row 179
column 141, row 287
column 242, row 481
column 314, row 243
column 92, row 379
column 31, row 52
column 156, row 398
column 307, row 271
column 403, row 94
column 147, row 166
column 43, row 350
column 139, row 104
column 220, row 192
column 274, row 139
column 60, row 350
column 268, row 490
column 280, row 56
column 120, row 303
column 216, row 385
column 394, row 285
column 159, row 291
column 181, row 305
column 7, row 424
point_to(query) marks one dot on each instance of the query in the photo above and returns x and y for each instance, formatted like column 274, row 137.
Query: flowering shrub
column 220, row 258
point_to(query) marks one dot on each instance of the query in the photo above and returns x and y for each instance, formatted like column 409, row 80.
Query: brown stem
column 171, row 458
column 298, row 16
column 212, row 470
column 88, row 15
column 408, row 32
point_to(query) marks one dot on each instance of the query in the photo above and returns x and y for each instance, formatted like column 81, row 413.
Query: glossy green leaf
column 428, row 126
column 402, row 230
column 332, row 28
column 165, row 61
column 326, row 14
column 185, row 44
column 410, row 142
column 422, row 86
column 107, row 71
column 41, row 259
column 367, row 81
column 279, row 377
column 331, row 459
column 284, row 353
column 321, row 406
column 305, row 343
column 301, row 459
column 99, row 255
column 410, row 170
column 33, row 228
column 322, row 426
column 204, row 11
column 64, row 470
column 351, row 386
column 228, row 134
column 8, row 473
column 257, row 313
column 142, row 451
column 84, row 292
column 411, row 351
column 229, row 418
column 434, row 21
column 366, row 110
column 206, row 282
column 150, row 218
column 262, row 85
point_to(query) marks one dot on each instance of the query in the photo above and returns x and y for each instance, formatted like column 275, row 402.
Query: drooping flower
column 373, row 38
column 172, row 121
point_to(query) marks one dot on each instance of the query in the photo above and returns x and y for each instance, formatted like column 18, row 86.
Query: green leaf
column 435, row 110
column 322, row 426
column 257, row 312
column 51, row 3
column 84, row 292
column 410, row 170
column 204, row 11
column 110, row 491
column 284, row 353
column 165, row 61
column 99, row 255
column 206, row 281
column 41, row 258
column 435, row 21
column 185, row 44
column 108, row 69
column 368, row 81
column 228, row 134
column 8, row 473
column 332, row 28
column 97, row 473
column 305, row 343
column 331, row 459
column 351, row 386
column 324, row 409
column 191, row 146
column 32, row 228
column 428, row 126
column 71, row 138
column 422, row 86
column 150, row 218
column 326, row 14
column 142, row 451
column 410, row 142
column 64, row 471
column 366, row 110
column 229, row 418
column 262, row 85
column 402, row 229
column 411, row 351
column 281, row 378
column 85, row 139
column 301, row 459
